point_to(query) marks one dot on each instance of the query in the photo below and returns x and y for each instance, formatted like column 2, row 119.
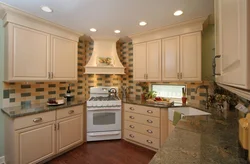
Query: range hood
column 104, row 59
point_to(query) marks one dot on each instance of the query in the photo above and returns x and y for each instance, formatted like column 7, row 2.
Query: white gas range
column 103, row 115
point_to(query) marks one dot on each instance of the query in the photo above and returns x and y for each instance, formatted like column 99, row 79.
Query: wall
column 1, row 88
column 208, row 52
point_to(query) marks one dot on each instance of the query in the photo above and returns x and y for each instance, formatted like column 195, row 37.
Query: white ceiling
column 109, row 15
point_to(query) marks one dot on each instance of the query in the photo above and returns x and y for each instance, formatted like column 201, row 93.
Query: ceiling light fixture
column 178, row 13
column 46, row 9
column 117, row 31
column 143, row 23
column 93, row 30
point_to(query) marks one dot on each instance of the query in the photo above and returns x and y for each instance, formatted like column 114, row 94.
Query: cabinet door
column 28, row 53
column 217, row 15
column 140, row 61
column 154, row 60
column 36, row 143
column 190, row 57
column 70, row 132
column 64, row 58
column 233, row 33
column 170, row 58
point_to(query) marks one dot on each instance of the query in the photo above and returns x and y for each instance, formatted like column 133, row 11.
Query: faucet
column 204, row 87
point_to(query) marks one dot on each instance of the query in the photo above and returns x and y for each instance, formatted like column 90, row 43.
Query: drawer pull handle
column 37, row 120
column 131, row 126
column 148, row 141
column 131, row 108
column 149, row 121
column 149, row 131
column 71, row 112
column 150, row 111
column 131, row 135
column 131, row 117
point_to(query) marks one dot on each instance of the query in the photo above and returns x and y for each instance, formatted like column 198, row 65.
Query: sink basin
column 186, row 111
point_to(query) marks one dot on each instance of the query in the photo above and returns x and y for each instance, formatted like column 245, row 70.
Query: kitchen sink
column 186, row 111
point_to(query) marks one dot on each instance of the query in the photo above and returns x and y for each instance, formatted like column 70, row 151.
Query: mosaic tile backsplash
column 16, row 94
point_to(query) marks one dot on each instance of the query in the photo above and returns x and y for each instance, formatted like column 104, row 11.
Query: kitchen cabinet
column 35, row 138
column 170, row 59
column 181, row 58
column 35, row 144
column 28, row 53
column 145, row 126
column 147, row 61
column 70, row 132
column 64, row 58
column 232, row 35
column 190, row 57
column 38, row 51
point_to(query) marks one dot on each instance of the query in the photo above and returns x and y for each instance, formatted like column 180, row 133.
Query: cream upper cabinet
column 170, row 59
column 154, row 60
column 181, row 58
column 70, row 132
column 232, row 37
column 35, row 144
column 190, row 57
column 28, row 53
column 140, row 61
column 147, row 61
column 64, row 58
column 38, row 50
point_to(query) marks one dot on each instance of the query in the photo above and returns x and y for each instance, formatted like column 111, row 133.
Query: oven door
column 99, row 120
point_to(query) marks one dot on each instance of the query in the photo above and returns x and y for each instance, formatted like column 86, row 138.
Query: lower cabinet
column 36, row 143
column 145, row 126
column 35, row 138
column 70, row 132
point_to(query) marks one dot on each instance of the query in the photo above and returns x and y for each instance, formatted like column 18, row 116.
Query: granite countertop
column 196, row 140
column 20, row 111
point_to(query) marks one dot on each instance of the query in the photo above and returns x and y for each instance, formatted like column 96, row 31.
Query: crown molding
column 10, row 14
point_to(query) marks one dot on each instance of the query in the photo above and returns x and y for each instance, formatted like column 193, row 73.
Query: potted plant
column 150, row 95
column 144, row 87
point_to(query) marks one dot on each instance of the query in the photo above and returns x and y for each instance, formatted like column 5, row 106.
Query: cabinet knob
column 131, row 135
column 214, row 65
column 71, row 111
column 148, row 141
column 131, row 126
column 149, row 131
column 37, row 120
column 150, row 111
column 131, row 117
column 131, row 108
column 149, row 121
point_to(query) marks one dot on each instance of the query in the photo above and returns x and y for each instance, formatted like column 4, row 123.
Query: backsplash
column 16, row 94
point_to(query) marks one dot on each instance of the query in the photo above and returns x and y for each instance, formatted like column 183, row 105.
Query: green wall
column 1, row 88
column 208, row 44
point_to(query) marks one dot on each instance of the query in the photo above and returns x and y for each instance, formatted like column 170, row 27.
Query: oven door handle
column 103, row 109
column 103, row 134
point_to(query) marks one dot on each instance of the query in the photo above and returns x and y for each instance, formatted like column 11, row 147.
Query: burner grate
column 101, row 98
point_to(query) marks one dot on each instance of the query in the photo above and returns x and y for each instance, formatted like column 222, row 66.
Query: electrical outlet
column 2, row 160
column 241, row 108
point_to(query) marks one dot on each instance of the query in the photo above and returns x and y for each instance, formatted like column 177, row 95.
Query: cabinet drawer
column 142, row 119
column 150, row 111
column 35, row 119
column 143, row 129
column 62, row 113
column 143, row 139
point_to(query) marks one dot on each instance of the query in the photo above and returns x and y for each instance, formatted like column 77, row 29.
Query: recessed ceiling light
column 178, row 13
column 117, row 31
column 143, row 23
column 46, row 9
column 93, row 30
